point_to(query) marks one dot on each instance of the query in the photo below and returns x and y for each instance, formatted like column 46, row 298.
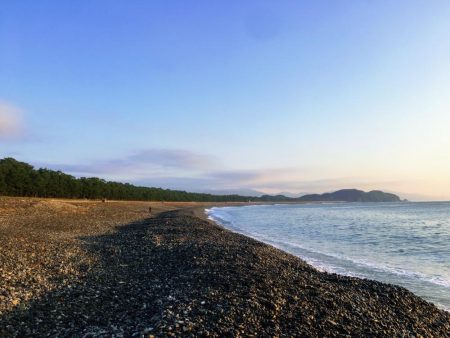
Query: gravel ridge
column 176, row 274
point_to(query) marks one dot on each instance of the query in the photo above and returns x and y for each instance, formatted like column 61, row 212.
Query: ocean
column 406, row 243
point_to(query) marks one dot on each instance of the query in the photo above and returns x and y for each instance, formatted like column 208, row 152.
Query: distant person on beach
column 150, row 210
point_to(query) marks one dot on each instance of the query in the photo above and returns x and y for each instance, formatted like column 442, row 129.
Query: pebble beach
column 93, row 269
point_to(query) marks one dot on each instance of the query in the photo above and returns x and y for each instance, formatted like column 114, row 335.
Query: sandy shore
column 83, row 269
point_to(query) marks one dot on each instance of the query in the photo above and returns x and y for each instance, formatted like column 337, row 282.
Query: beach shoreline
column 346, row 251
column 102, row 269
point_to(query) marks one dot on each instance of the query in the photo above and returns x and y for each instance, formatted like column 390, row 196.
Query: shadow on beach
column 123, row 290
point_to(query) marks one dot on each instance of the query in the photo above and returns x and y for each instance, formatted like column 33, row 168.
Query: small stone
column 148, row 330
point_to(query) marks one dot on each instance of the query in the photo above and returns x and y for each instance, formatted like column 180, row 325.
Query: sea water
column 407, row 244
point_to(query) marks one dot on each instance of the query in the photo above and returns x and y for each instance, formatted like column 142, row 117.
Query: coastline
column 271, row 226
column 178, row 273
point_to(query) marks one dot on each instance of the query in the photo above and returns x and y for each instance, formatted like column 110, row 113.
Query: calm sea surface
column 407, row 244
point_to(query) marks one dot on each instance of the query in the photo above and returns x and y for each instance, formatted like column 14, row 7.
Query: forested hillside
column 21, row 179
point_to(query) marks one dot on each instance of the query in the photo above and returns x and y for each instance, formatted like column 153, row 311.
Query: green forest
column 22, row 179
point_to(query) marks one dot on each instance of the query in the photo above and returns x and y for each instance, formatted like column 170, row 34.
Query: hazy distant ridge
column 353, row 195
column 344, row 195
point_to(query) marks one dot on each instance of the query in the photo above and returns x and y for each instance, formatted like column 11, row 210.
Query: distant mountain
column 241, row 192
column 293, row 195
column 276, row 198
column 352, row 195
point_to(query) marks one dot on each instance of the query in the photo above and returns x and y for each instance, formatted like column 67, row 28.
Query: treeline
column 21, row 179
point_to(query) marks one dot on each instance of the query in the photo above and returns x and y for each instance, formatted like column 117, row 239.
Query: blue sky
column 299, row 96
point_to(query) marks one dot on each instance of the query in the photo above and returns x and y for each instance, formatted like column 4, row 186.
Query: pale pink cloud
column 153, row 162
column 11, row 123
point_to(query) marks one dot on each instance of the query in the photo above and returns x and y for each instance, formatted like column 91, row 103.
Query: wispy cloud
column 11, row 123
column 145, row 163
column 268, row 181
column 259, row 177
column 173, row 158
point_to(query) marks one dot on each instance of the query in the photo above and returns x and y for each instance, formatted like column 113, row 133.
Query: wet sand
column 79, row 268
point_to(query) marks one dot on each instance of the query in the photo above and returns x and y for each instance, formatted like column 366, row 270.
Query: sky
column 273, row 96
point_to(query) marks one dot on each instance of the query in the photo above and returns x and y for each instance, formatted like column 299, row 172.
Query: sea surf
column 406, row 244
